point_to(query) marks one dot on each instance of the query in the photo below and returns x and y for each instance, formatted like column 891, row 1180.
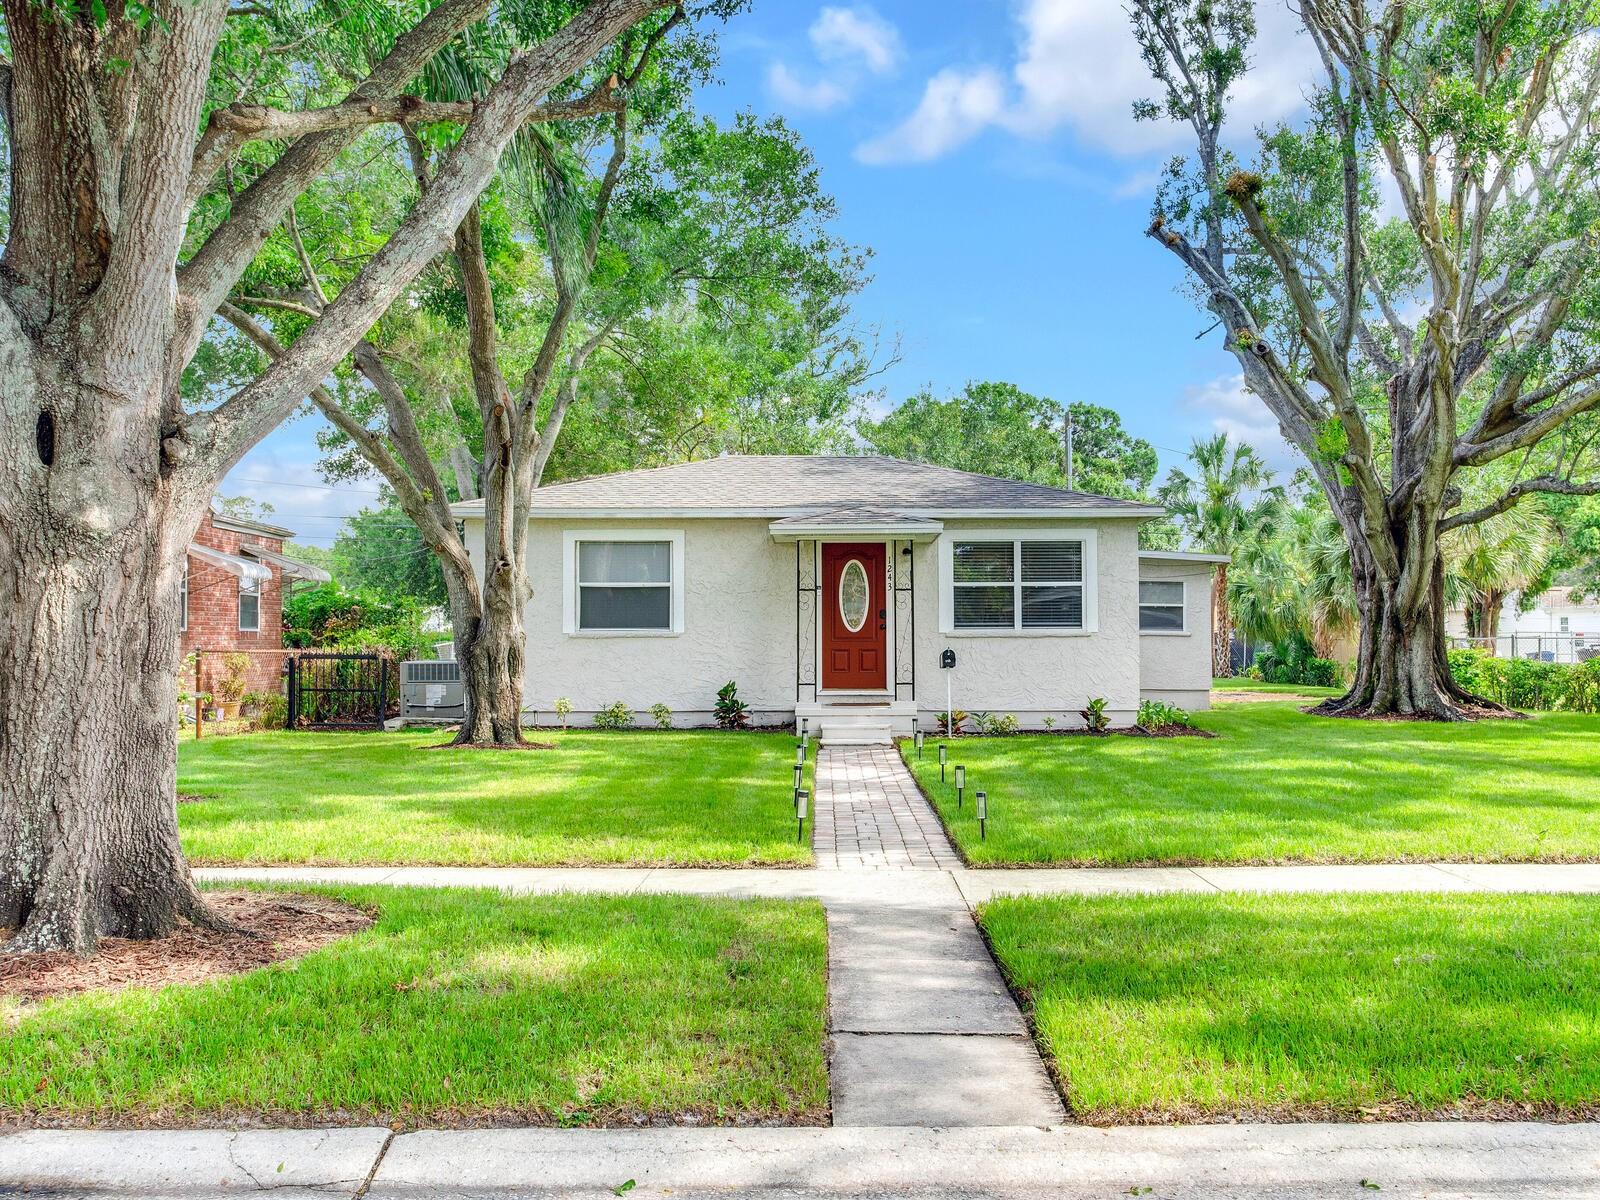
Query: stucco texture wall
column 738, row 623
column 1034, row 675
column 1176, row 667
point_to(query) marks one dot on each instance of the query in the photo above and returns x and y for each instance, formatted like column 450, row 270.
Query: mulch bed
column 285, row 925
column 491, row 746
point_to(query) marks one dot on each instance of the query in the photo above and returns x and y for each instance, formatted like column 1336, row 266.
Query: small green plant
column 274, row 712
column 563, row 710
column 955, row 721
column 1156, row 714
column 662, row 716
column 616, row 715
column 1049, row 723
column 731, row 712
column 1094, row 716
column 230, row 688
column 995, row 724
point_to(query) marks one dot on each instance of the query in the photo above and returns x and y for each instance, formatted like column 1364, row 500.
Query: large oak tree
column 102, row 305
column 1398, row 354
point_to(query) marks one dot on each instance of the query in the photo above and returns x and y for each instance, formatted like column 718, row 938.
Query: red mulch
column 286, row 925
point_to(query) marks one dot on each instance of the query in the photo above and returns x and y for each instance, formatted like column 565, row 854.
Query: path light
column 800, row 798
column 799, row 777
column 983, row 815
column 943, row 754
column 800, row 754
column 961, row 783
column 919, row 743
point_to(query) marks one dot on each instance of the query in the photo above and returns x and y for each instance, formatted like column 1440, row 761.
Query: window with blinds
column 624, row 585
column 1018, row 585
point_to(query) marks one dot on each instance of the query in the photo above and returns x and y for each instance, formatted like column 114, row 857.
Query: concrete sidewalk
column 1439, row 1161
column 934, row 889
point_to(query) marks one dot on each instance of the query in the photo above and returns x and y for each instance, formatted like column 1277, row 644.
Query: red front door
column 854, row 625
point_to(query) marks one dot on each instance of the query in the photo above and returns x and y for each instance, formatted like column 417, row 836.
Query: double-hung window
column 1018, row 584
column 249, row 606
column 1161, row 606
column 624, row 585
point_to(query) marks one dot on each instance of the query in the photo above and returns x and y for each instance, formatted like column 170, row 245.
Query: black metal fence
column 339, row 691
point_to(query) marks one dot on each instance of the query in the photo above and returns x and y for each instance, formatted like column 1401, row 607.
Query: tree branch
column 205, row 280
column 373, row 448
column 231, row 428
column 1515, row 494
column 230, row 128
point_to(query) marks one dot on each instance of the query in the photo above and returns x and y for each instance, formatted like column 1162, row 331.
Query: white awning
column 855, row 522
column 244, row 568
column 292, row 567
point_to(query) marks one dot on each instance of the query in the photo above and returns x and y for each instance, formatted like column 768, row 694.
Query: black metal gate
column 338, row 691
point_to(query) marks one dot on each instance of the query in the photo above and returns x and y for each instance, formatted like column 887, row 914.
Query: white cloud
column 955, row 106
column 849, row 44
column 856, row 34
column 819, row 95
column 1078, row 68
column 1244, row 418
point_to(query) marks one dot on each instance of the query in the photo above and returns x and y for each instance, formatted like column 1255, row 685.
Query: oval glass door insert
column 853, row 595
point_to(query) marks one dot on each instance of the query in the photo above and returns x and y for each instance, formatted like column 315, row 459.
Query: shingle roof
column 785, row 485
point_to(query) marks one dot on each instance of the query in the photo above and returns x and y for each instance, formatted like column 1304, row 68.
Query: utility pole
column 1066, row 437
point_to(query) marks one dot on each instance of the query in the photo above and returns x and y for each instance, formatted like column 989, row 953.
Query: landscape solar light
column 943, row 754
column 800, row 798
column 800, row 754
column 919, row 743
column 961, row 783
column 799, row 777
column 983, row 815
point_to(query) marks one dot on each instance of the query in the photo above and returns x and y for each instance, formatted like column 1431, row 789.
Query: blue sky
column 985, row 152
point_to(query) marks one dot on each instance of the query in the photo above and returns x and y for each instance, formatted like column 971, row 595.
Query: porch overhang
column 291, row 567
column 244, row 568
column 855, row 523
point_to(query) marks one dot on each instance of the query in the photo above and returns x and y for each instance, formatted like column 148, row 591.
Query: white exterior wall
column 1176, row 667
column 739, row 603
column 1033, row 675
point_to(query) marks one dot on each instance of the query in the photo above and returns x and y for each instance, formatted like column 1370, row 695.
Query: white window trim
column 569, row 579
column 1183, row 610
column 1024, row 533
column 249, row 587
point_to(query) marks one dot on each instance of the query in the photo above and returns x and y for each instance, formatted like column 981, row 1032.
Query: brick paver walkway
column 869, row 814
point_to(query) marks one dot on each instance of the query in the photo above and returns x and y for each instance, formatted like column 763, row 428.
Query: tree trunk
column 88, row 733
column 1221, row 625
column 490, row 650
column 1402, row 669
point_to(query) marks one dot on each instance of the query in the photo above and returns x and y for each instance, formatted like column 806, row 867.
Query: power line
column 322, row 487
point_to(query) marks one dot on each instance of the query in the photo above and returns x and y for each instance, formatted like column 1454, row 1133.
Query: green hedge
column 1525, row 683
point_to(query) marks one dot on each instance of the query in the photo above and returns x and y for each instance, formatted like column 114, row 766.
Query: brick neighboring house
column 232, row 596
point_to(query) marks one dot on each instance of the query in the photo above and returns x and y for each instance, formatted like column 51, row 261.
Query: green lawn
column 1319, row 1007
column 681, row 798
column 1277, row 785
column 459, row 1005
column 1257, row 685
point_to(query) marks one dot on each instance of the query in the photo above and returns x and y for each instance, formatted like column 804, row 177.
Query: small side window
column 1161, row 606
column 249, row 606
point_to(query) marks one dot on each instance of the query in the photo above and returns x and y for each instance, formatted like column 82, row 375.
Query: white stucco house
column 831, row 588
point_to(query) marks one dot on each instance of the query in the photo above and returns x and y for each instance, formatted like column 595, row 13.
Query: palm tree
column 1484, row 563
column 1294, row 581
column 1227, row 508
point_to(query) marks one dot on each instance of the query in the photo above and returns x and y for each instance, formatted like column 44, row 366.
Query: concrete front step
column 858, row 732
